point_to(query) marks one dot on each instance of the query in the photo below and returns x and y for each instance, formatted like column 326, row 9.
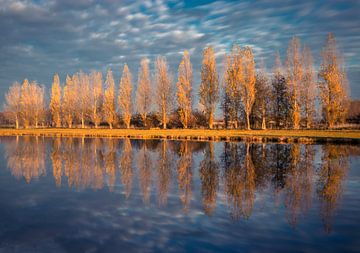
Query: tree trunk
column 17, row 123
column 164, row 120
column 82, row 122
column 110, row 125
column 248, row 121
column 144, row 120
column 211, row 120
column 185, row 120
column 263, row 124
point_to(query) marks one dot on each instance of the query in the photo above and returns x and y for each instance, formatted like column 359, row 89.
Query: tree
column 124, row 98
column 295, row 72
column 84, row 105
column 184, row 89
column 109, row 108
column 333, row 84
column 12, row 103
column 262, row 96
column 69, row 101
column 36, row 104
column 209, row 87
column 143, row 92
column 308, row 88
column 280, row 95
column 164, row 91
column 247, row 85
column 24, row 103
column 96, row 97
column 55, row 102
column 232, row 77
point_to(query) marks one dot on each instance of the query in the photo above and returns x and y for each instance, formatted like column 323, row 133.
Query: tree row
column 294, row 95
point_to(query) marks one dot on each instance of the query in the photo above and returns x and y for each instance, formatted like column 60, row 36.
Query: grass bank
column 308, row 136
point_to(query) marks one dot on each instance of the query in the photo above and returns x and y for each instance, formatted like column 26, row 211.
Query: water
column 112, row 195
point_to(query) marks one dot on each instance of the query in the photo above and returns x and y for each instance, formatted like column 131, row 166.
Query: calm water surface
column 121, row 195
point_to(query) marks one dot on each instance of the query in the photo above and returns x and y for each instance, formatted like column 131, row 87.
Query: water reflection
column 229, row 173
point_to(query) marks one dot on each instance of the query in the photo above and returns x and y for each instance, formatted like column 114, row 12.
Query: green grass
column 197, row 134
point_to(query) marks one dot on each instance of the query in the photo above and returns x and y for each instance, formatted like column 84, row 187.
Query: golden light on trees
column 308, row 89
column 55, row 102
column 109, row 107
column 143, row 92
column 124, row 98
column 96, row 93
column 12, row 103
column 294, row 67
column 333, row 84
column 164, row 89
column 209, row 88
column 184, row 89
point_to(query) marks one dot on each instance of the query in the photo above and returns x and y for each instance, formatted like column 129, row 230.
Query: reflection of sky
column 40, row 38
column 41, row 217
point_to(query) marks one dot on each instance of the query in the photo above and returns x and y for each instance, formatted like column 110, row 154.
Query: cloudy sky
column 39, row 38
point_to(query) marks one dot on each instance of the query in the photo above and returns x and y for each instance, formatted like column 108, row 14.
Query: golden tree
column 69, row 101
column 209, row 88
column 164, row 90
column 233, row 75
column 184, row 89
column 12, row 103
column 55, row 102
column 96, row 97
column 36, row 104
column 124, row 98
column 247, row 84
column 24, row 103
column 143, row 92
column 84, row 105
column 333, row 84
column 109, row 107
column 308, row 88
column 295, row 72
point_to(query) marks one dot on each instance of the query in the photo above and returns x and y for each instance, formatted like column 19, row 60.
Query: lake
column 121, row 195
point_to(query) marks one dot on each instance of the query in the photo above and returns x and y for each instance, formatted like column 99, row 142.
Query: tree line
column 249, row 96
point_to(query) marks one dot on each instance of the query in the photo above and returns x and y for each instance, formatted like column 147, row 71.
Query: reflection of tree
column 109, row 158
column 239, row 180
column 335, row 165
column 126, row 167
column 184, row 173
column 56, row 159
column 164, row 173
column 26, row 158
column 144, row 164
column 209, row 175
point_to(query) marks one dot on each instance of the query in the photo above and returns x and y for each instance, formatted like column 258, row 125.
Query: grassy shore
column 198, row 134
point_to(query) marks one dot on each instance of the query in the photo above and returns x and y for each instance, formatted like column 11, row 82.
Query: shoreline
column 280, row 136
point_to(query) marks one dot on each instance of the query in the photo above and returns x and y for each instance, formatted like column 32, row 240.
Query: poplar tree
column 143, row 92
column 280, row 95
column 12, row 103
column 247, row 86
column 69, row 101
column 55, row 102
column 184, row 89
column 124, row 98
column 308, row 88
column 209, row 87
column 84, row 98
column 164, row 90
column 233, row 75
column 109, row 107
column 294, row 78
column 24, row 103
column 333, row 84
column 96, row 91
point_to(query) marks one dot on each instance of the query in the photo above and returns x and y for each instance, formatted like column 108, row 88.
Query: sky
column 40, row 38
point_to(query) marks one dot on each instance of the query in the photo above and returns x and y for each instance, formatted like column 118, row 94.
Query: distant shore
column 285, row 136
